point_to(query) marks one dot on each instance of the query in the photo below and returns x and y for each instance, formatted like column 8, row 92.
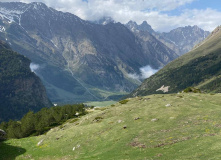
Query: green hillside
column 20, row 89
column 172, row 126
column 199, row 68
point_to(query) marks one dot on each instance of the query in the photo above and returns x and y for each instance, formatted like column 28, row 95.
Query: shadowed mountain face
column 21, row 90
column 199, row 68
column 78, row 60
column 181, row 40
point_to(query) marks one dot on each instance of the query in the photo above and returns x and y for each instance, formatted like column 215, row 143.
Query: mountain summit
column 186, row 37
column 142, row 27
column 181, row 40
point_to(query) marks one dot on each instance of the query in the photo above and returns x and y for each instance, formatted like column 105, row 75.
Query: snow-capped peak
column 12, row 11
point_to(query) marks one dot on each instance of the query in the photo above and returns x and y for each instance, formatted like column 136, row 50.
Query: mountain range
column 79, row 60
column 181, row 40
column 200, row 68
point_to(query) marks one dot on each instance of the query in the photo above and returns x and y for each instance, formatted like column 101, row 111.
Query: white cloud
column 134, row 76
column 145, row 72
column 139, row 10
column 34, row 67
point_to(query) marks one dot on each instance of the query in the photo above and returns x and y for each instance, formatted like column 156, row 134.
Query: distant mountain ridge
column 199, row 68
column 181, row 40
column 186, row 37
column 20, row 89
column 79, row 60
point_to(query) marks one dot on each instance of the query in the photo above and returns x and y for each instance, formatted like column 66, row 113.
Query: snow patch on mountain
column 2, row 29
column 10, row 14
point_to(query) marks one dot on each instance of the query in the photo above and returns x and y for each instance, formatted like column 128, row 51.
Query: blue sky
column 162, row 15
column 204, row 4
column 197, row 4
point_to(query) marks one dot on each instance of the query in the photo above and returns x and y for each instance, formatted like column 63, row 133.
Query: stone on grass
column 119, row 121
column 40, row 142
column 136, row 118
column 2, row 134
column 78, row 146
column 154, row 120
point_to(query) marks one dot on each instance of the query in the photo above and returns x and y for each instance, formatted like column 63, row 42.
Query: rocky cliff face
column 21, row 90
column 158, row 52
column 180, row 40
column 79, row 61
column 185, row 38
column 134, row 27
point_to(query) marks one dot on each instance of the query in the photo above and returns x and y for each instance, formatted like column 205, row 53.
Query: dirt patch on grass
column 172, row 142
column 136, row 143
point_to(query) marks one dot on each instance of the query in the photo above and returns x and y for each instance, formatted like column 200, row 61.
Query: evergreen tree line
column 33, row 124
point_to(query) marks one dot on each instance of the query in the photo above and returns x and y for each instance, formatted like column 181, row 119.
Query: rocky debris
column 40, row 142
column 154, row 120
column 2, row 134
column 164, row 89
column 119, row 121
column 136, row 118
column 78, row 146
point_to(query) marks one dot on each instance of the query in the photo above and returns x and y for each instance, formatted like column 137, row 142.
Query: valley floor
column 170, row 126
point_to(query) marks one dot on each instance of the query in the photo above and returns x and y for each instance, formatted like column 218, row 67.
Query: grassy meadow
column 174, row 126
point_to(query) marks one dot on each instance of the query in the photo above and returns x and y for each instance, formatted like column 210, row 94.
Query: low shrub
column 74, row 120
column 124, row 101
column 192, row 90
column 97, row 119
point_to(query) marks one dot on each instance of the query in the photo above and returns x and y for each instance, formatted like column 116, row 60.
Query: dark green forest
column 20, row 89
column 33, row 124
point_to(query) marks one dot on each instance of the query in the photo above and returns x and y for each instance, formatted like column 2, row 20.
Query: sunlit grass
column 189, row 128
